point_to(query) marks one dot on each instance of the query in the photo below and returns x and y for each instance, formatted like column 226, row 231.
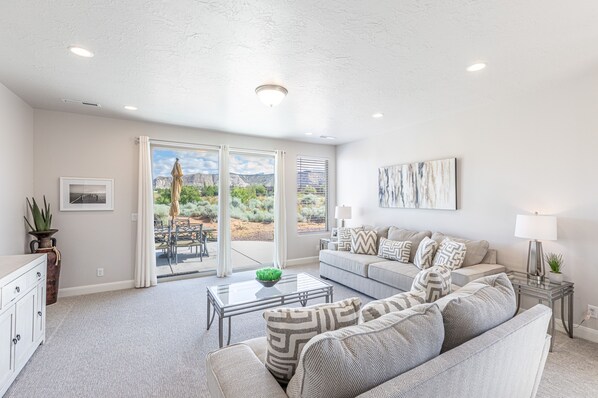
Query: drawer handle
column 39, row 274
column 39, row 313
column 18, row 289
column 15, row 341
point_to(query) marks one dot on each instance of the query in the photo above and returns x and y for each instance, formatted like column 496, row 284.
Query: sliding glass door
column 252, row 209
column 185, row 230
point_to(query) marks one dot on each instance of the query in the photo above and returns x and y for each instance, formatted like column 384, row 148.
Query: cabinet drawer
column 14, row 289
column 36, row 274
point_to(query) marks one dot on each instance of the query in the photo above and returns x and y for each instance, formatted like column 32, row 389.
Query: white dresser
column 22, row 312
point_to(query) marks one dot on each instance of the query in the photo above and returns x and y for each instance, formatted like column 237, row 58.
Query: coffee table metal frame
column 228, row 311
column 546, row 291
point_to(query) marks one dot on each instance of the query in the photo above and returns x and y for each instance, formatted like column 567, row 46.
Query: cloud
column 206, row 162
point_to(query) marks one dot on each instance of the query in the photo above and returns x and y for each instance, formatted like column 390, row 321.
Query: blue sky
column 206, row 162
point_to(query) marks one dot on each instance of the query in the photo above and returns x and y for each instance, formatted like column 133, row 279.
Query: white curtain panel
column 280, row 212
column 225, row 266
column 145, row 254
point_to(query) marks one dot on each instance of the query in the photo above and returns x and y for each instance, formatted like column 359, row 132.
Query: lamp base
column 535, row 266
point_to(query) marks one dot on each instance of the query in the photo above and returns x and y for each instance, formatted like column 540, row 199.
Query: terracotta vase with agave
column 45, row 243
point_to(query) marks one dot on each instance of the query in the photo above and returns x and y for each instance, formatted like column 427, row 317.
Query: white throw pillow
column 425, row 253
column 450, row 254
column 363, row 242
column 394, row 250
column 434, row 281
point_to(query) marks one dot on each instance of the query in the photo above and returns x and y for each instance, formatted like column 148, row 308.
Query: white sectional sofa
column 379, row 278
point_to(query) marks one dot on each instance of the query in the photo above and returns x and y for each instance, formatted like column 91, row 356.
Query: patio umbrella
column 175, row 191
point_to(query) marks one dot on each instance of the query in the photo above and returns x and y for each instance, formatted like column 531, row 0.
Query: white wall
column 533, row 153
column 16, row 170
column 71, row 145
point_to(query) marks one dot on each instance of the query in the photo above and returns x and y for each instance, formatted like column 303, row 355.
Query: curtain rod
column 202, row 146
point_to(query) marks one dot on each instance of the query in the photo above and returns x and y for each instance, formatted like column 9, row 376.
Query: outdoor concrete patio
column 245, row 255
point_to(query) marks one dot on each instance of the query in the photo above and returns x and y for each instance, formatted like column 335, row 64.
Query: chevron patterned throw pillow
column 344, row 238
column 289, row 329
column 425, row 253
column 434, row 281
column 395, row 250
column 450, row 254
column 364, row 242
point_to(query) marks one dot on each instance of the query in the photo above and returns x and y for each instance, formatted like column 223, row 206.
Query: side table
column 324, row 243
column 549, row 292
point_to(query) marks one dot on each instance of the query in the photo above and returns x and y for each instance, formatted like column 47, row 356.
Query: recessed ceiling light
column 328, row 137
column 378, row 115
column 80, row 51
column 131, row 108
column 476, row 67
column 308, row 133
column 271, row 94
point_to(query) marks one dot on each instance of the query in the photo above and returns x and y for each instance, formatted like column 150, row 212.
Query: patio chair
column 163, row 241
column 190, row 237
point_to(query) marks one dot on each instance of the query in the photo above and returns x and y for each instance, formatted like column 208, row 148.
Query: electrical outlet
column 133, row 217
column 593, row 311
column 100, row 272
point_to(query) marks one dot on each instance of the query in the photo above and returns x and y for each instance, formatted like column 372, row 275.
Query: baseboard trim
column 581, row 332
column 90, row 289
column 302, row 261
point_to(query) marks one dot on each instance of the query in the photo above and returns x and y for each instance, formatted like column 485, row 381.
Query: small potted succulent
column 268, row 276
column 555, row 262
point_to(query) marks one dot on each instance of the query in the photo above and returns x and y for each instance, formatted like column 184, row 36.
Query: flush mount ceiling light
column 327, row 137
column 308, row 133
column 80, row 51
column 377, row 115
column 476, row 67
column 131, row 108
column 271, row 94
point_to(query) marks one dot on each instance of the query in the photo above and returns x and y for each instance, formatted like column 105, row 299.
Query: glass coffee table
column 239, row 298
column 545, row 290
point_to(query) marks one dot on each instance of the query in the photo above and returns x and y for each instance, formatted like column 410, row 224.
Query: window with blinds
column 312, row 194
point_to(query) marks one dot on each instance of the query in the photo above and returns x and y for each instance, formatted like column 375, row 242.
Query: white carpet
column 153, row 342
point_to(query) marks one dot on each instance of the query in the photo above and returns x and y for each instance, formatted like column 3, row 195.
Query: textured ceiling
column 197, row 63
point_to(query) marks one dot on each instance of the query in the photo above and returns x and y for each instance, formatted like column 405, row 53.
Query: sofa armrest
column 235, row 371
column 462, row 276
column 332, row 245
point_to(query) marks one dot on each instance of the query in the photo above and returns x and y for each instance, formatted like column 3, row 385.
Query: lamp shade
column 535, row 227
column 342, row 212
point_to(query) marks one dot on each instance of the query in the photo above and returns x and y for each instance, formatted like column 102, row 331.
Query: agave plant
column 268, row 274
column 555, row 262
column 42, row 218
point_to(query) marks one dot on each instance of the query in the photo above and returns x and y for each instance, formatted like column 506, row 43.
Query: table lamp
column 342, row 213
column 536, row 228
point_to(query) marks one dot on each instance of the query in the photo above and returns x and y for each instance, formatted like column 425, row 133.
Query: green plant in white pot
column 555, row 262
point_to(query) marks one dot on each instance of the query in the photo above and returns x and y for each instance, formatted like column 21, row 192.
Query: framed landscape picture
column 86, row 194
column 423, row 185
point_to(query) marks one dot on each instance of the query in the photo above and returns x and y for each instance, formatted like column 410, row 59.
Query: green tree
column 309, row 190
column 162, row 196
column 209, row 190
column 260, row 190
column 189, row 194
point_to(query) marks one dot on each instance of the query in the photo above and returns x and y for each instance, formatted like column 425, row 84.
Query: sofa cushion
column 289, row 329
column 463, row 276
column 364, row 242
column 350, row 361
column 425, row 253
column 355, row 263
column 377, row 308
column 450, row 254
column 394, row 250
column 435, row 282
column 415, row 237
column 393, row 273
column 476, row 308
column 344, row 237
column 476, row 250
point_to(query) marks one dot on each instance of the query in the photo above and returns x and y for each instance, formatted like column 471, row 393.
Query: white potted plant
column 555, row 262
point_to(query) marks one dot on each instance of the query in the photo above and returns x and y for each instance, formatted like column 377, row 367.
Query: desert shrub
column 313, row 214
column 210, row 212
column 309, row 199
column 260, row 190
column 161, row 212
column 236, row 202
column 268, row 204
column 162, row 196
column 209, row 190
column 254, row 204
column 260, row 216
column 238, row 214
column 309, row 190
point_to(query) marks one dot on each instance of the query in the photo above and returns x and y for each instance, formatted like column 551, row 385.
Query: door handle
column 39, row 313
column 39, row 274
column 15, row 341
column 18, row 289
column 18, row 337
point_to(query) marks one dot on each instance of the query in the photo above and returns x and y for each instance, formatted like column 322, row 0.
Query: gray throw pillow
column 415, row 237
column 476, row 308
column 289, row 329
column 394, row 250
column 344, row 238
column 450, row 254
column 350, row 361
column 399, row 302
column 364, row 242
column 476, row 250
